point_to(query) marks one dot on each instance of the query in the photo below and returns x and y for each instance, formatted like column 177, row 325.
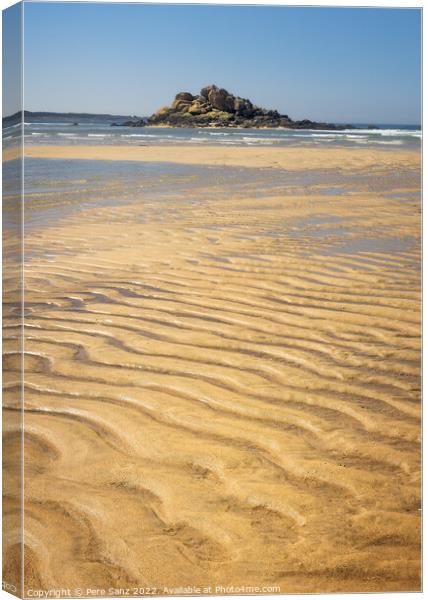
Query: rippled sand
column 225, row 392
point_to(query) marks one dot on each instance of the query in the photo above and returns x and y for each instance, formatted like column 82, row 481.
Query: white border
column 346, row 4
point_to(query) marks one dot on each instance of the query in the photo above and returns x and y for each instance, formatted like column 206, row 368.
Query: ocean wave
column 214, row 132
column 373, row 132
column 322, row 135
column 247, row 138
column 144, row 135
column 260, row 133
column 387, row 132
column 389, row 143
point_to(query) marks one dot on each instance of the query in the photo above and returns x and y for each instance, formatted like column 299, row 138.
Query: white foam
column 323, row 135
column 389, row 143
column 141, row 135
column 102, row 135
column 387, row 132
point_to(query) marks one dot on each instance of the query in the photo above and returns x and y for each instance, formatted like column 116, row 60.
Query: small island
column 216, row 107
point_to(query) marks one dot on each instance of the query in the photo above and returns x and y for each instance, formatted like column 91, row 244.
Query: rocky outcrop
column 216, row 107
column 132, row 123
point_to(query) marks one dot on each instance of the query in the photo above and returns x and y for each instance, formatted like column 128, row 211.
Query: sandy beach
column 223, row 385
column 285, row 158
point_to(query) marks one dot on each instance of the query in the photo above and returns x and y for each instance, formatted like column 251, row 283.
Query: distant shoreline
column 9, row 120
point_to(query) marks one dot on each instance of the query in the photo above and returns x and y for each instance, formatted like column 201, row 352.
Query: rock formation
column 216, row 107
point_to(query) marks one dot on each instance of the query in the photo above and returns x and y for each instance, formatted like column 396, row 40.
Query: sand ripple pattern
column 227, row 394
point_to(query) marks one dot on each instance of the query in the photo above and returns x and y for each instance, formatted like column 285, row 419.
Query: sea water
column 94, row 130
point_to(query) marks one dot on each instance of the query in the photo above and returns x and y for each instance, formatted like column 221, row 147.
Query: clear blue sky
column 338, row 64
column 12, row 59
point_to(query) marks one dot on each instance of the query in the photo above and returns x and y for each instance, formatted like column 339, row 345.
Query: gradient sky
column 338, row 64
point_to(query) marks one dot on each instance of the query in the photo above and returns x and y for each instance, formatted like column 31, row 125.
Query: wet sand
column 225, row 392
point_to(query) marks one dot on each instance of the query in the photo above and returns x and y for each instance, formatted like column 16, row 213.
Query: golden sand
column 286, row 158
column 215, row 398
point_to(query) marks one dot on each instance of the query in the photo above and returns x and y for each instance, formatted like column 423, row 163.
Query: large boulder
column 181, row 105
column 205, row 92
column 244, row 108
column 239, row 106
column 197, row 109
column 221, row 99
column 186, row 96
